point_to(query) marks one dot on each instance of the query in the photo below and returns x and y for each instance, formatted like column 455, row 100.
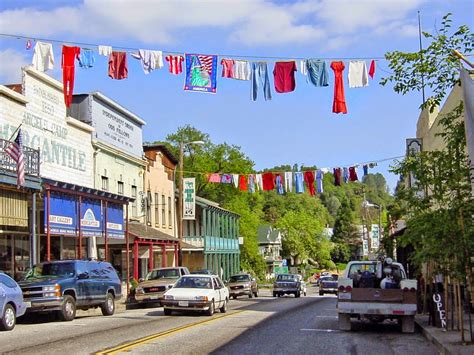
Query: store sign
column 189, row 198
column 65, row 150
column 91, row 218
column 63, row 217
column 62, row 214
column 116, row 129
column 115, row 221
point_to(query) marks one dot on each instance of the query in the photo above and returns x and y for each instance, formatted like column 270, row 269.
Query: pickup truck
column 376, row 290
column 328, row 284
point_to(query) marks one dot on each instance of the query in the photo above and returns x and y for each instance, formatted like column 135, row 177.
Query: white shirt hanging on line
column 288, row 181
column 105, row 50
column 357, row 75
column 241, row 70
column 43, row 57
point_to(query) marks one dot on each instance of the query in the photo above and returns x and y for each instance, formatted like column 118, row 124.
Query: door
column 217, row 292
column 97, row 284
column 84, row 284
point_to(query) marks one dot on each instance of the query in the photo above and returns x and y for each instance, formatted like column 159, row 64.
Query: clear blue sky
column 298, row 127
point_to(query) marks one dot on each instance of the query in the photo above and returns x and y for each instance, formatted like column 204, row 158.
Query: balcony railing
column 32, row 159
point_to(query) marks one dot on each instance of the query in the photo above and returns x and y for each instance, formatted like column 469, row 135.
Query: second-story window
column 156, row 203
column 134, row 204
column 163, row 210
column 120, row 188
column 170, row 219
column 105, row 183
column 148, row 207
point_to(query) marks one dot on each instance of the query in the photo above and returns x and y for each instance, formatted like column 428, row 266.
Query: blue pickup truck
column 64, row 286
column 328, row 284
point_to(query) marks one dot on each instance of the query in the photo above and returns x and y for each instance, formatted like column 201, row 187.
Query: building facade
column 270, row 248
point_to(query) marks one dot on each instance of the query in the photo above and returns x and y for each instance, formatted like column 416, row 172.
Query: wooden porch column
column 150, row 257
column 135, row 259
column 164, row 260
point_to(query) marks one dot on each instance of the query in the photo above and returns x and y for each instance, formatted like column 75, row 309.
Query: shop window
column 157, row 211
column 170, row 219
column 105, row 183
column 163, row 208
column 120, row 188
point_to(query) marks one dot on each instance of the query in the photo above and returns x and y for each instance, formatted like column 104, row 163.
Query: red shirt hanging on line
column 118, row 65
column 339, row 103
column 268, row 181
column 284, row 76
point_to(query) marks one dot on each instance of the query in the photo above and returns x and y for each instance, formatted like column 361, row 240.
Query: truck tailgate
column 382, row 295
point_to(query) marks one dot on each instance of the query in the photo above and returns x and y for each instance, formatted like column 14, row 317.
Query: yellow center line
column 138, row 342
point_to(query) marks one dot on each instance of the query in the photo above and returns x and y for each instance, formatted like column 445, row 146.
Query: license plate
column 28, row 304
column 153, row 297
column 344, row 296
column 183, row 303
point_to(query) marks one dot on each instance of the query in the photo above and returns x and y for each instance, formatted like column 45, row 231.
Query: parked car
column 11, row 302
column 67, row 285
column 157, row 282
column 242, row 284
column 197, row 293
column 289, row 284
column 328, row 284
column 203, row 272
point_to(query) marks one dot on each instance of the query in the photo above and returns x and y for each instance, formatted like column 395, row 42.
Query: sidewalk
column 447, row 342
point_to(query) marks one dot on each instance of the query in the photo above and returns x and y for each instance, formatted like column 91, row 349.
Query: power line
column 85, row 44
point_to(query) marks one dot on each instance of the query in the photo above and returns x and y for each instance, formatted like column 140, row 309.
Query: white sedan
column 197, row 293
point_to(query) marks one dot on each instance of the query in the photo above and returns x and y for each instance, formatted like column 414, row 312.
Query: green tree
column 439, row 207
column 345, row 234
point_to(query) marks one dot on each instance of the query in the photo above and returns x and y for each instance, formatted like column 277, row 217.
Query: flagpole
column 16, row 130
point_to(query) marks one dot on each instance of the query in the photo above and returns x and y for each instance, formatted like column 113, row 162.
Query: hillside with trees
column 301, row 217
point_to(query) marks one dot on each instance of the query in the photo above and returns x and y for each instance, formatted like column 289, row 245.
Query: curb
column 442, row 349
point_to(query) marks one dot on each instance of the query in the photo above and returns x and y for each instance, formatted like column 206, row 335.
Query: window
column 170, row 220
column 163, row 207
column 105, row 183
column 134, row 204
column 157, row 211
column 120, row 188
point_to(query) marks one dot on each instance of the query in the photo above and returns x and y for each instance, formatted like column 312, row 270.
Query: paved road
column 265, row 325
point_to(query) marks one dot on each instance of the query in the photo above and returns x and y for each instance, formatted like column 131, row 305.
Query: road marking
column 325, row 316
column 135, row 343
column 320, row 330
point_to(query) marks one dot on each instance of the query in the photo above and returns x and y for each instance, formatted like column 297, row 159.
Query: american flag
column 15, row 150
column 206, row 62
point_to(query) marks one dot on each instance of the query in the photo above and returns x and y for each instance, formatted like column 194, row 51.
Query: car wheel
column 167, row 311
column 68, row 309
column 8, row 320
column 297, row 294
column 274, row 294
column 108, row 307
column 250, row 294
column 234, row 297
column 321, row 293
column 223, row 309
column 256, row 293
column 210, row 311
column 305, row 293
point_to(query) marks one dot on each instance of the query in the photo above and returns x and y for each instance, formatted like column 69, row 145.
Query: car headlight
column 169, row 297
column 201, row 298
column 52, row 291
column 246, row 285
column 139, row 289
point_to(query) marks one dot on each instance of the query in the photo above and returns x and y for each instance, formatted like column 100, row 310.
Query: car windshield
column 357, row 269
column 286, row 278
column 194, row 282
column 47, row 270
column 330, row 278
column 239, row 278
column 163, row 274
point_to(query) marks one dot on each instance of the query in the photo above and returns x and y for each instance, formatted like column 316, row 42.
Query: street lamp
column 180, row 198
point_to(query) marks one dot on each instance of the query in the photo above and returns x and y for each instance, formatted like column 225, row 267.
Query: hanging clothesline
column 134, row 49
column 280, row 172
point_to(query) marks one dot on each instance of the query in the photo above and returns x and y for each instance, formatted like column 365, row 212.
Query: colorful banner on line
column 201, row 73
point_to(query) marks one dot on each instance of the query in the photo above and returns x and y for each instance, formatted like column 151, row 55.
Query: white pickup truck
column 376, row 290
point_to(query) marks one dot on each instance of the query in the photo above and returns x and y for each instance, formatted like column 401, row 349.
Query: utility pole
column 180, row 205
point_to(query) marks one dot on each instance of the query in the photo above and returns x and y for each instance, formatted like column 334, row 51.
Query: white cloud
column 10, row 69
column 248, row 22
